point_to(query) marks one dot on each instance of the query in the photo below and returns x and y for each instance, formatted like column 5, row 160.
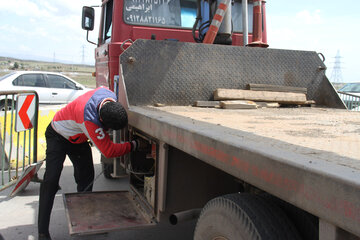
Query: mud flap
column 26, row 177
column 99, row 212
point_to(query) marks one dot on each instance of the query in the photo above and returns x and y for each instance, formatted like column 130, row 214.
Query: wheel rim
column 3, row 108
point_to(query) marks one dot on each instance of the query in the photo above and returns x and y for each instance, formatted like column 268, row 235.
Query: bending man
column 86, row 118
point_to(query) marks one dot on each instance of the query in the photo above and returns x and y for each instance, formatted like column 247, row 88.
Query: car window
column 351, row 87
column 30, row 80
column 56, row 81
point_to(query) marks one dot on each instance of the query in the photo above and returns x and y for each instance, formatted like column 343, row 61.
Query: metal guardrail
column 352, row 102
column 18, row 149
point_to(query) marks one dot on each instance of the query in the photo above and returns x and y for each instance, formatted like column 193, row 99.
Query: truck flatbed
column 331, row 135
column 308, row 157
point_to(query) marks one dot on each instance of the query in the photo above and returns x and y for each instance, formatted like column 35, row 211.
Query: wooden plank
column 206, row 104
column 262, row 96
column 275, row 88
column 159, row 105
column 238, row 104
column 268, row 104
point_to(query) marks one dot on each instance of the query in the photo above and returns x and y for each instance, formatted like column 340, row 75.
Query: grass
column 78, row 72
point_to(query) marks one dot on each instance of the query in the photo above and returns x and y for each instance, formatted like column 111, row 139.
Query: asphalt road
column 18, row 215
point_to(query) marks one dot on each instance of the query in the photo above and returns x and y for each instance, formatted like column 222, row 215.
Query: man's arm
column 102, row 141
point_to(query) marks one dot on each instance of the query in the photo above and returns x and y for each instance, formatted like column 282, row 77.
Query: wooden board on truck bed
column 274, row 88
column 266, row 96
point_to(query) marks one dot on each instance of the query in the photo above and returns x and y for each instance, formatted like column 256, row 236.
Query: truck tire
column 243, row 216
column 306, row 224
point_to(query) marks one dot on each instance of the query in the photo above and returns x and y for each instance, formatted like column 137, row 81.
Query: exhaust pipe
column 191, row 214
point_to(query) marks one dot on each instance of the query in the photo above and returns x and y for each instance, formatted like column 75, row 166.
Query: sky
column 51, row 30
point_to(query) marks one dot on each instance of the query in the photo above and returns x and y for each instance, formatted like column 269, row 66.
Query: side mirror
column 88, row 16
column 77, row 87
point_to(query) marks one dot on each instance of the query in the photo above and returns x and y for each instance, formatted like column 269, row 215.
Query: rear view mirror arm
column 87, row 38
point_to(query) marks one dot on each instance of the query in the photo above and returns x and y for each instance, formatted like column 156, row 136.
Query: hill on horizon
column 79, row 72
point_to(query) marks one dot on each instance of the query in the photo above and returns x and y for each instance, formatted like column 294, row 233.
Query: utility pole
column 336, row 75
column 83, row 54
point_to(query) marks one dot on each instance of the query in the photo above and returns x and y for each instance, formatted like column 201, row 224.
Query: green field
column 78, row 72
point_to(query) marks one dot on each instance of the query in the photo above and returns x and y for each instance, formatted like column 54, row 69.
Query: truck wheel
column 108, row 170
column 306, row 224
column 243, row 216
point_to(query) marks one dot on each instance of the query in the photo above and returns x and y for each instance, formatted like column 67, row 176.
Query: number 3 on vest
column 101, row 133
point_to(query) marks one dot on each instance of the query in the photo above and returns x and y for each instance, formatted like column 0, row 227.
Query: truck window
column 175, row 13
column 188, row 13
column 236, row 16
column 164, row 13
column 107, row 27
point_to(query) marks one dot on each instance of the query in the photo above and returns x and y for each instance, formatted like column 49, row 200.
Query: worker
column 88, row 117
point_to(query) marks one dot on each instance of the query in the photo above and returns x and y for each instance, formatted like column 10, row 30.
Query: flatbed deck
column 329, row 134
column 309, row 157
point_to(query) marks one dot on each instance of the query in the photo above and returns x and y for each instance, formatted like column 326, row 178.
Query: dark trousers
column 57, row 149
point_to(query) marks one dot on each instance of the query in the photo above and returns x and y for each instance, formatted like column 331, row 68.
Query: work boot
column 44, row 236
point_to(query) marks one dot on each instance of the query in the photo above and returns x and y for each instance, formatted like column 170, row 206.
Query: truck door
column 102, row 52
column 98, row 212
column 104, row 211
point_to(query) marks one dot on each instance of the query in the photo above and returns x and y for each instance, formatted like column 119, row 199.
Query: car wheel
column 9, row 105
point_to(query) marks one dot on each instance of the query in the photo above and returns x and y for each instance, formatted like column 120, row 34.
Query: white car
column 52, row 88
column 351, row 88
column 350, row 94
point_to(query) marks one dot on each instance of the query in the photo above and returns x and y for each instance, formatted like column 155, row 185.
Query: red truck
column 266, row 173
column 121, row 21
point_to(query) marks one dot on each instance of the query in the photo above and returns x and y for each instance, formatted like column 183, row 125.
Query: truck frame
column 288, row 173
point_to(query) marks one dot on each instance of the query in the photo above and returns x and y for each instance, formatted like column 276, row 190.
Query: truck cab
column 124, row 21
